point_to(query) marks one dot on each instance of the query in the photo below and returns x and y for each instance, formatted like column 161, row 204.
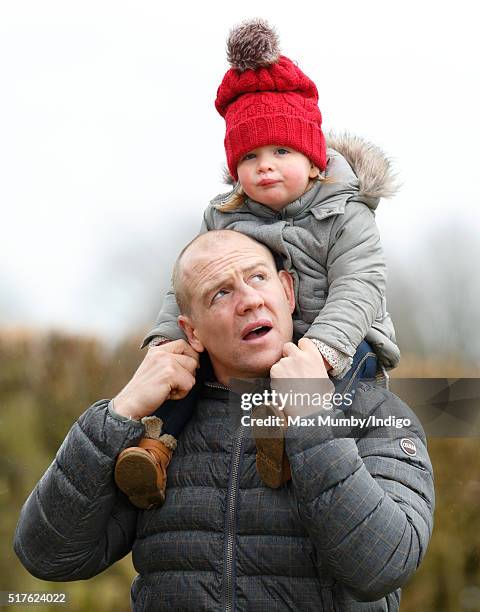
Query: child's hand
column 167, row 372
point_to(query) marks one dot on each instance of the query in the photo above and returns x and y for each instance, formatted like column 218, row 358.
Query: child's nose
column 265, row 163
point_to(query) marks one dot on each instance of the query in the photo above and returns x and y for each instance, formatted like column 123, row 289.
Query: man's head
column 234, row 303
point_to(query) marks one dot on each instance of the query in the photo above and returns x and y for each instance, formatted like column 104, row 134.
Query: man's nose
column 248, row 299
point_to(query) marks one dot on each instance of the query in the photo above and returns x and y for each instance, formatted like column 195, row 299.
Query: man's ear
column 287, row 283
column 188, row 327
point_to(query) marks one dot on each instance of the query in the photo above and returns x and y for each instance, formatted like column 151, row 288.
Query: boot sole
column 136, row 476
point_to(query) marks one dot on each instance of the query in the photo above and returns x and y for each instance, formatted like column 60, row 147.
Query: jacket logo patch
column 408, row 446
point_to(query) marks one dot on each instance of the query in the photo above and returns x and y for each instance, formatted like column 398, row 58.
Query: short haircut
column 181, row 289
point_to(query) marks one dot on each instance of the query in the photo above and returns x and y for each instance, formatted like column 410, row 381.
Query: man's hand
column 302, row 361
column 167, row 372
column 292, row 371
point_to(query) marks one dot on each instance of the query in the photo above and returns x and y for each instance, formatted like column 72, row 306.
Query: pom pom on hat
column 266, row 99
column 252, row 44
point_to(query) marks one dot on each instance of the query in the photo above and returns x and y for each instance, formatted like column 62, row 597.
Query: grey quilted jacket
column 329, row 242
column 348, row 530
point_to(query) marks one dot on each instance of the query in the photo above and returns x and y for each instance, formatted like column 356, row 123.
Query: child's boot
column 272, row 462
column 141, row 471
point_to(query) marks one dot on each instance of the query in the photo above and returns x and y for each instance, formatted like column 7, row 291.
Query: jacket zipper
column 231, row 523
column 217, row 386
column 231, row 517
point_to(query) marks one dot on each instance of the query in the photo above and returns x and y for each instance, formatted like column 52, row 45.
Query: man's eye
column 219, row 294
column 282, row 151
column 258, row 277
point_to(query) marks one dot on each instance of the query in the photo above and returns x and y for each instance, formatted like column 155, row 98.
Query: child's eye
column 282, row 151
column 248, row 156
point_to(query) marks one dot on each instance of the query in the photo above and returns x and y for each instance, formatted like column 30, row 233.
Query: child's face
column 274, row 175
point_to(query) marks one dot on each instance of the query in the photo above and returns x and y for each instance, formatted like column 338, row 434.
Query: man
column 352, row 525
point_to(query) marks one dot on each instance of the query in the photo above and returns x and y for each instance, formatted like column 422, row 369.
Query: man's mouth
column 256, row 330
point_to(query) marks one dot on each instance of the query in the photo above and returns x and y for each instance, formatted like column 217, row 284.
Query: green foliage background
column 48, row 380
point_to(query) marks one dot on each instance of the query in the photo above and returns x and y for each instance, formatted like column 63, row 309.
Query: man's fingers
column 181, row 347
column 188, row 363
column 305, row 344
column 182, row 384
column 278, row 369
column 289, row 349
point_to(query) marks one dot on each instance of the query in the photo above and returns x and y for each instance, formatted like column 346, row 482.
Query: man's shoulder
column 370, row 396
column 384, row 407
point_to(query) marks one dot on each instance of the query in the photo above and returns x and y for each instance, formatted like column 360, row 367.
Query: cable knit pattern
column 274, row 105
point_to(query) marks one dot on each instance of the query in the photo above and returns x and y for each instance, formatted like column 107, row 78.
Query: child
column 313, row 207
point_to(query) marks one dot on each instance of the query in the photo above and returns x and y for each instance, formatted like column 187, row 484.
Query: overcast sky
column 110, row 146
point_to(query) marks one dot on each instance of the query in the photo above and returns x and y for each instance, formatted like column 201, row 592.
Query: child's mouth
column 268, row 182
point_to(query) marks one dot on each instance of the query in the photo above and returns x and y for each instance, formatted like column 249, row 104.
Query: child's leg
column 272, row 463
column 364, row 367
column 141, row 471
column 175, row 414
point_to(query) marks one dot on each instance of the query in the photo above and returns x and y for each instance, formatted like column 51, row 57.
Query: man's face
column 275, row 176
column 241, row 309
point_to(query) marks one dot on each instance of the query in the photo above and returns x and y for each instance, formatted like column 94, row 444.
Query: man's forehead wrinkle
column 208, row 271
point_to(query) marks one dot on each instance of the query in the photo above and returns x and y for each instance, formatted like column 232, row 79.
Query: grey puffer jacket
column 348, row 530
column 329, row 242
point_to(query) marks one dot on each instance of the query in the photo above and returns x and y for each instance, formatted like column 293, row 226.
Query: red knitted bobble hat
column 266, row 99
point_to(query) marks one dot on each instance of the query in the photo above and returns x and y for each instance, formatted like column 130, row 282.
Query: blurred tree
column 434, row 295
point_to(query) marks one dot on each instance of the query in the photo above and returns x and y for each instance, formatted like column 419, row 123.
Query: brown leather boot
column 272, row 462
column 141, row 472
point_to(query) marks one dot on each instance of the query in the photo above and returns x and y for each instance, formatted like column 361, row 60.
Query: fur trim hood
column 372, row 167
column 370, row 164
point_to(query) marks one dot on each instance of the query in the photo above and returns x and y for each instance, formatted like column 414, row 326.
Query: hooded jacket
column 345, row 533
column 329, row 243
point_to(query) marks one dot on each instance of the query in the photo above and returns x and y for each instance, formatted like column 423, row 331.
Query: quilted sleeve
column 75, row 522
column 356, row 279
column 365, row 501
